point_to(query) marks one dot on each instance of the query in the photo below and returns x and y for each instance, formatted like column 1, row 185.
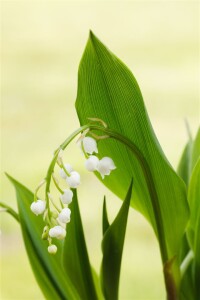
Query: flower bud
column 66, row 198
column 73, row 180
column 106, row 165
column 45, row 233
column 54, row 214
column 69, row 169
column 57, row 232
column 89, row 145
column 64, row 216
column 38, row 207
column 92, row 163
column 52, row 249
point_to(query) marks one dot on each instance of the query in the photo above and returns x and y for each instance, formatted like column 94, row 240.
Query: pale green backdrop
column 42, row 43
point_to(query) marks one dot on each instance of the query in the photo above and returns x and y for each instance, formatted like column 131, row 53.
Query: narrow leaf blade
column 194, row 224
column 75, row 256
column 185, row 164
column 105, row 221
column 112, row 248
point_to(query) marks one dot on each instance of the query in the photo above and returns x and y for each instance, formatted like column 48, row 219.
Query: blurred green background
column 42, row 43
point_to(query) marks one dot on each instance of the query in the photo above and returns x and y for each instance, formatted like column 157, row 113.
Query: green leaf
column 189, row 158
column 10, row 211
column 187, row 288
column 185, row 164
column 48, row 269
column 196, row 149
column 97, row 284
column 108, row 90
column 112, row 248
column 105, row 221
column 194, row 224
column 75, row 256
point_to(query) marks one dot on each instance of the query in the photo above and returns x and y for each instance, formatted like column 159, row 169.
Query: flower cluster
column 57, row 220
column 104, row 166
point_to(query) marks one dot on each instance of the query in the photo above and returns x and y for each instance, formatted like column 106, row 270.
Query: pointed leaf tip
column 105, row 222
column 112, row 248
column 108, row 90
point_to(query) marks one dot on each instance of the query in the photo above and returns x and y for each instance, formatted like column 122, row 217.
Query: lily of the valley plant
column 120, row 147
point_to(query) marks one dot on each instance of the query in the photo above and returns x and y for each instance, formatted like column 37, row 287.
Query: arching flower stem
column 144, row 166
column 56, row 184
column 54, row 161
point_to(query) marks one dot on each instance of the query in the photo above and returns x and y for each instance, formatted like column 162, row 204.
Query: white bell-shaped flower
column 52, row 249
column 73, row 180
column 57, row 232
column 92, row 163
column 105, row 166
column 69, row 169
column 64, row 215
column 38, row 207
column 66, row 198
column 89, row 145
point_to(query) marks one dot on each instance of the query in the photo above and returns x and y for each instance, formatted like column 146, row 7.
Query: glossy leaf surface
column 108, row 90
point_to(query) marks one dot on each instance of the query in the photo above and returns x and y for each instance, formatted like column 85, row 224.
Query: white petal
column 52, row 249
column 64, row 215
column 57, row 232
column 90, row 145
column 109, row 162
column 38, row 207
column 69, row 169
column 105, row 166
column 92, row 163
column 73, row 180
column 66, row 198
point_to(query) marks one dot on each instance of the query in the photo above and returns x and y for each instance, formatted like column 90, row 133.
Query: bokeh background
column 42, row 43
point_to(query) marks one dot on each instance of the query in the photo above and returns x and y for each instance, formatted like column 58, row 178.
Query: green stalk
column 150, row 184
column 169, row 280
column 54, row 160
column 145, row 168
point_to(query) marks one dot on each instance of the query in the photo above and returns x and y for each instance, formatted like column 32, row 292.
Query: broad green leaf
column 48, row 269
column 112, row 248
column 108, row 90
column 194, row 224
column 75, row 256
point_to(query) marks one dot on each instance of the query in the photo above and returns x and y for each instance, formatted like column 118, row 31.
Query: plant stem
column 56, row 184
column 150, row 184
column 186, row 262
column 54, row 160
column 144, row 166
